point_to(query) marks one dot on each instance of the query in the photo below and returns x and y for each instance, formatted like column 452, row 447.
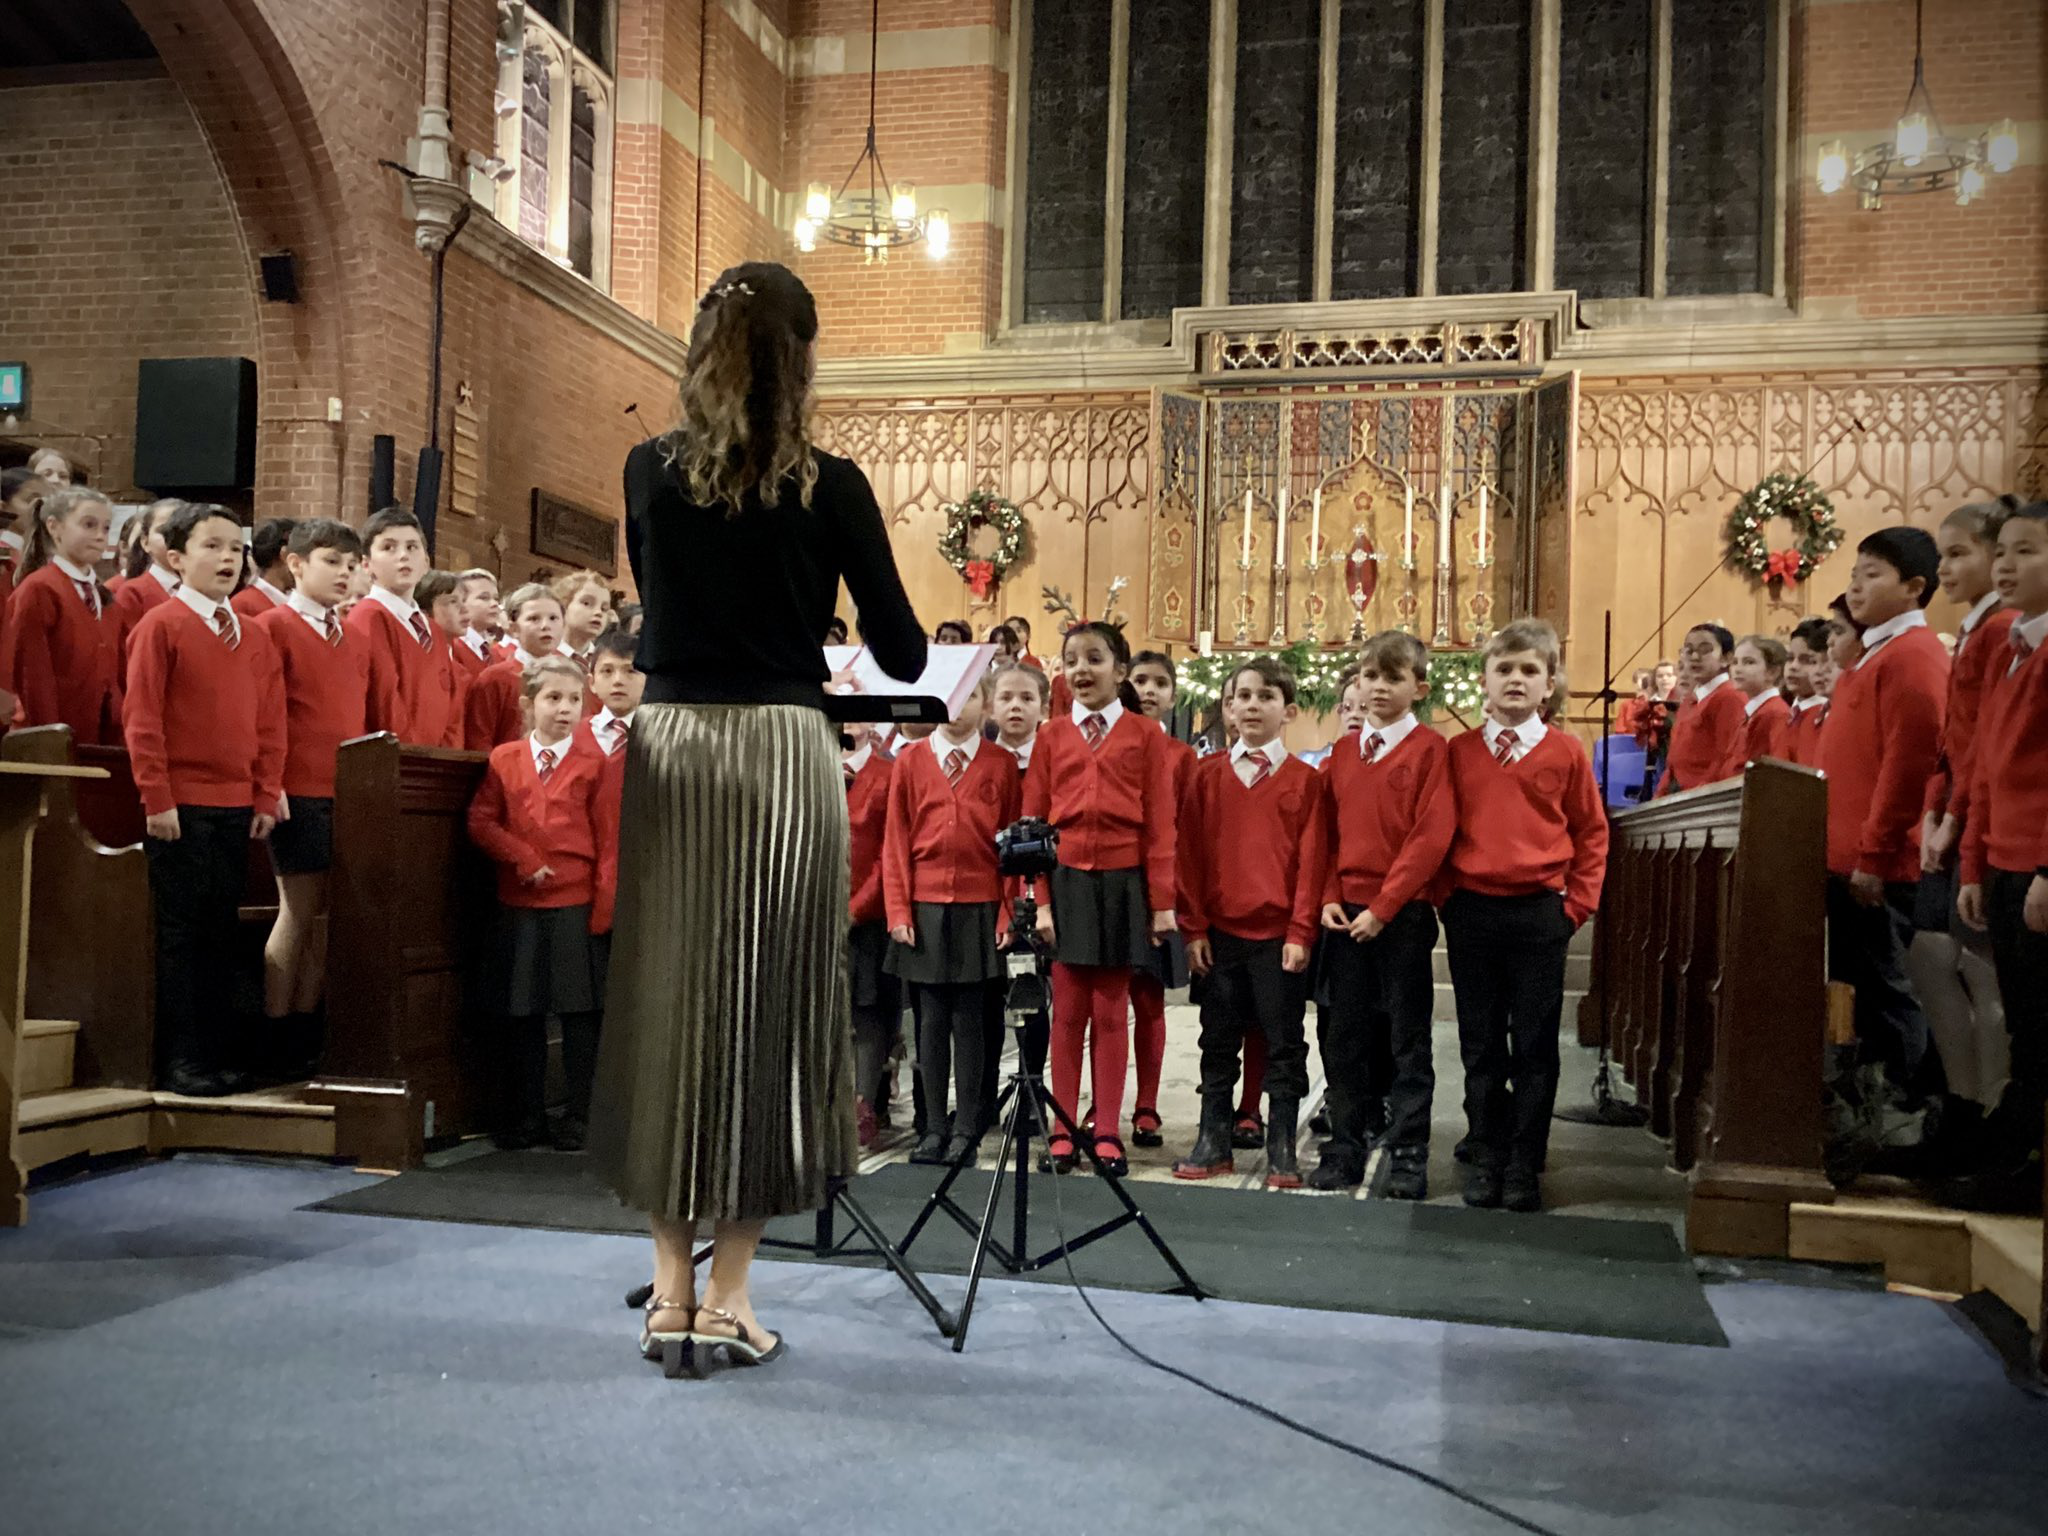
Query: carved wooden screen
column 1177, row 554
column 1540, row 582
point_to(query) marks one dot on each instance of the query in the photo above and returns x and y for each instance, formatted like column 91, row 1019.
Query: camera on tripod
column 1027, row 849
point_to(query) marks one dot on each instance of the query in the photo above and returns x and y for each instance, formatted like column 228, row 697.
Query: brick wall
column 120, row 244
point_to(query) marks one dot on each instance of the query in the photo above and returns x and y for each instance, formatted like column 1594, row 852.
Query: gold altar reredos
column 1610, row 461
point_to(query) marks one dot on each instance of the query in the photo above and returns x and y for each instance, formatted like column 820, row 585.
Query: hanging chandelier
column 1919, row 157
column 882, row 217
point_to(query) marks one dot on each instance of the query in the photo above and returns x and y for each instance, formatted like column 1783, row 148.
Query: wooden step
column 1928, row 1247
column 47, row 1055
column 275, row 1120
column 2005, row 1259
column 90, row 1122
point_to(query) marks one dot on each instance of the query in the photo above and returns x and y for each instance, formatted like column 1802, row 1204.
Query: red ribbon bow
column 981, row 575
column 1782, row 568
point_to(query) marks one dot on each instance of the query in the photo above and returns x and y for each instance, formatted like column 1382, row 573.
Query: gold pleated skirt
column 724, row 1078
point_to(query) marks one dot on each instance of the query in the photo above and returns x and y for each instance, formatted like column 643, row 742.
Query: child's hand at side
column 163, row 826
column 1294, row 958
column 540, row 876
column 905, row 934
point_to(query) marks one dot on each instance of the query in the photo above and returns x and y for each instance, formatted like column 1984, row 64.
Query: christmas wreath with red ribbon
column 982, row 569
column 1799, row 502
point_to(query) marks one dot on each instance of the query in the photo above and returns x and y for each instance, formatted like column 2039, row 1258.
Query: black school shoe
column 1482, row 1187
column 931, row 1149
column 963, row 1151
column 519, row 1138
column 1337, row 1170
column 1521, row 1191
column 569, row 1134
column 1408, row 1174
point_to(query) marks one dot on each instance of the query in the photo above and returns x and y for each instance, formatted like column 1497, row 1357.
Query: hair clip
column 726, row 291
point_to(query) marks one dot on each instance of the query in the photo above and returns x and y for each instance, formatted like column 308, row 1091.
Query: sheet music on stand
column 949, row 676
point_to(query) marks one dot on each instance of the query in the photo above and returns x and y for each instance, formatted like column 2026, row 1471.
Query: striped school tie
column 618, row 734
column 956, row 767
column 421, row 633
column 224, row 624
column 1373, row 743
column 90, row 593
column 547, row 764
column 333, row 630
column 1093, row 729
column 1262, row 769
column 848, row 770
column 2022, row 648
column 1504, row 747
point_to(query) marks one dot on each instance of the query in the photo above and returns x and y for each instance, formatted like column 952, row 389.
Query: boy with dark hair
column 273, row 577
column 1707, row 728
column 1252, row 853
column 1392, row 817
column 206, row 738
column 1882, row 743
column 413, row 690
column 1806, row 653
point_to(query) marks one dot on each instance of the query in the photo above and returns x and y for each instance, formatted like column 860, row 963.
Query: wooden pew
column 1710, row 974
column 410, row 905
column 91, row 958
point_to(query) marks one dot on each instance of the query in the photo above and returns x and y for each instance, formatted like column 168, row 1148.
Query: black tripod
column 1032, row 1109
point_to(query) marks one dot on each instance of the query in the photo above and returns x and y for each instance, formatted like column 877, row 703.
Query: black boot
column 1282, row 1115
column 1408, row 1175
column 1211, row 1155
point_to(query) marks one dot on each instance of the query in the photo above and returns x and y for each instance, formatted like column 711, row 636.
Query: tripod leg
column 938, row 1196
column 912, row 1281
column 1011, row 1141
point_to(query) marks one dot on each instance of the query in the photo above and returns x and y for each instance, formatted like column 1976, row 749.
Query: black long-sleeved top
column 735, row 606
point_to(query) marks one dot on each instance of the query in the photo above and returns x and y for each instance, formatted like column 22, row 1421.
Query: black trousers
column 1034, row 1043
column 1867, row 949
column 1507, row 970
column 1247, row 990
column 196, row 885
column 1382, row 1002
column 2021, row 956
column 952, row 1042
column 523, row 1082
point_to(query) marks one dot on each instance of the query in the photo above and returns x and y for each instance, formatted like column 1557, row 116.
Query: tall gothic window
column 1182, row 152
column 555, row 100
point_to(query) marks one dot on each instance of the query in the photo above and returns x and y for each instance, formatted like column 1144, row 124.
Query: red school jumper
column 1532, row 825
column 1114, row 807
column 524, row 824
column 252, row 602
column 938, row 844
column 413, row 690
column 59, row 660
column 611, row 748
column 326, row 697
column 1758, row 736
column 131, row 602
column 1970, row 679
column 1148, row 992
column 1701, row 738
column 2008, row 823
column 494, row 709
column 867, row 812
column 1798, row 738
column 1253, row 859
column 1881, row 746
column 1390, row 823
column 205, row 720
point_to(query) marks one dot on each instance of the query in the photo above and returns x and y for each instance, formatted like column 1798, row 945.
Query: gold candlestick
column 1312, row 602
column 1244, row 601
column 1282, row 516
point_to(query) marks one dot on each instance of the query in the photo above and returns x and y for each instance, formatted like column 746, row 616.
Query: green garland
column 1801, row 503
column 1454, row 679
column 982, row 509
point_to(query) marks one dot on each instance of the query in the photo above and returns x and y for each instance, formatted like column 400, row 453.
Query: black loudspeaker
column 383, row 471
column 280, row 277
column 426, row 494
column 195, row 425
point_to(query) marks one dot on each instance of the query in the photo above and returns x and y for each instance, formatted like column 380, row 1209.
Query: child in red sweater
column 620, row 685
column 1154, row 682
column 1757, row 671
column 1392, row 816
column 1882, row 743
column 1524, row 871
column 877, row 1002
column 1806, row 653
column 479, row 642
column 1017, row 707
column 150, row 577
column 2005, row 854
column 1252, row 854
column 205, row 725
column 326, row 684
column 412, row 681
column 57, row 655
column 948, row 797
column 1102, row 776
column 1708, row 727
column 539, row 814
column 267, row 548
column 493, row 708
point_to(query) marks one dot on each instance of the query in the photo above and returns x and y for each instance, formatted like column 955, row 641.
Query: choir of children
column 1706, row 729
column 1757, row 671
column 1806, row 660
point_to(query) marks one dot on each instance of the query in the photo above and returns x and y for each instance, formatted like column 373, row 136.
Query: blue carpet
column 184, row 1351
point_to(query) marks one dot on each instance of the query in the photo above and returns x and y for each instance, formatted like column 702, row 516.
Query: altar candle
column 1205, row 642
column 1482, row 521
column 1408, row 523
column 1315, row 523
column 1246, row 557
column 1443, row 525
column 1280, row 532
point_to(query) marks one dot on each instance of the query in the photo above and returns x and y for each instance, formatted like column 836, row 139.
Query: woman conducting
column 725, row 1086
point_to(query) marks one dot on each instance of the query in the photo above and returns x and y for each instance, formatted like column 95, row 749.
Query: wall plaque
column 574, row 534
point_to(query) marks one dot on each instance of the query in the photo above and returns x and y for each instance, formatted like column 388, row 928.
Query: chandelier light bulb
column 903, row 203
column 938, row 233
column 2002, row 146
column 1911, row 137
column 817, row 202
column 1834, row 166
column 1969, row 184
column 806, row 235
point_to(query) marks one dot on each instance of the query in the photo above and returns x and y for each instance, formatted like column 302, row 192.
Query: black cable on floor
column 1273, row 1415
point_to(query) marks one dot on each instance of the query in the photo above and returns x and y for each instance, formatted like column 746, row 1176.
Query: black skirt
column 956, row 945
column 303, row 843
column 545, row 960
column 1168, row 961
column 1101, row 917
column 867, row 956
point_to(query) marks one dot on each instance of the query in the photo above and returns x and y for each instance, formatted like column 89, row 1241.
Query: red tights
column 1091, row 1001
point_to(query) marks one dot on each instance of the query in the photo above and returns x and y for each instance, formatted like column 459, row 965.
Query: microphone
column 633, row 410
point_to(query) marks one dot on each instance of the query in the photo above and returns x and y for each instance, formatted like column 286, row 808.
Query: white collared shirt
column 519, row 654
column 1758, row 702
column 579, row 657
column 1811, row 701
column 1274, row 752
column 478, row 643
column 2035, row 631
column 209, row 610
column 1391, row 736
column 1527, row 734
column 276, row 594
column 1111, row 712
column 79, row 573
column 601, row 725
column 312, row 612
column 165, row 576
column 1986, row 606
column 943, row 747
column 856, row 761
column 1699, row 694
column 560, row 748
column 402, row 608
column 1023, row 753
column 1890, row 629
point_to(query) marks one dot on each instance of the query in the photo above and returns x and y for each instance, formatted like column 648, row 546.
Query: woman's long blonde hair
column 746, row 391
